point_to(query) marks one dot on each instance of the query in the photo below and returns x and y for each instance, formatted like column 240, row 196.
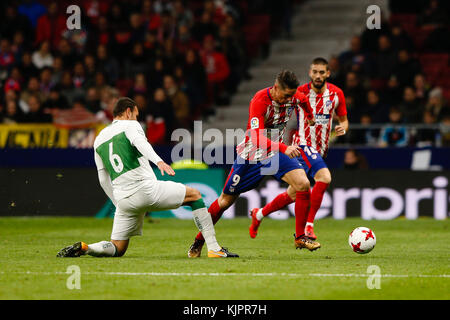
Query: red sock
column 276, row 204
column 216, row 212
column 316, row 199
column 302, row 203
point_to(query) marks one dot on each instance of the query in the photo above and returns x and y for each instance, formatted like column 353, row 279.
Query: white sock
column 102, row 249
column 204, row 223
column 310, row 224
column 259, row 215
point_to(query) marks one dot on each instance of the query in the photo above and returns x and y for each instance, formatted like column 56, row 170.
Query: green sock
column 197, row 204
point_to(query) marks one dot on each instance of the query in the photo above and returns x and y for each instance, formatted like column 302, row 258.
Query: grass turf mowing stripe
column 217, row 274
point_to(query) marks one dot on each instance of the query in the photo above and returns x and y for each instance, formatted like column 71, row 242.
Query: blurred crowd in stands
column 180, row 59
column 177, row 59
column 398, row 76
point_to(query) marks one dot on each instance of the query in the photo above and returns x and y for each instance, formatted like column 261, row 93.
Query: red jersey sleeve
column 341, row 108
column 256, row 128
column 303, row 102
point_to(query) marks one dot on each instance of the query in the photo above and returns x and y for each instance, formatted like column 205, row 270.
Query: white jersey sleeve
column 98, row 161
column 137, row 138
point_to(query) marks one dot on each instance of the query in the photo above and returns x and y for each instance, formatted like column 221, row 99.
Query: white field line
column 218, row 274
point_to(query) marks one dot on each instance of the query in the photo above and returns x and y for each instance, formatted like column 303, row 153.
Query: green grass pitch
column 413, row 257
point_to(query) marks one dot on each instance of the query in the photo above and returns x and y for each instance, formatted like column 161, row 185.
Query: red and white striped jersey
column 267, row 123
column 323, row 105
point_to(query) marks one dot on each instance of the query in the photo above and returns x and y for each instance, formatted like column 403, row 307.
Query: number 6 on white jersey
column 118, row 167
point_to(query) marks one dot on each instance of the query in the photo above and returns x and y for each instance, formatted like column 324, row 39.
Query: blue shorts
column 311, row 160
column 246, row 175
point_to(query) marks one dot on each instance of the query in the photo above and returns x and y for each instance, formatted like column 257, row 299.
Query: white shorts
column 156, row 196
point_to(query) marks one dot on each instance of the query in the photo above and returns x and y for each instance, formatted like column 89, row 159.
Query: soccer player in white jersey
column 325, row 100
column 122, row 155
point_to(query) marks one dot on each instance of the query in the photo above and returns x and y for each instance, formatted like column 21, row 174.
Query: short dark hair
column 122, row 105
column 320, row 60
column 287, row 80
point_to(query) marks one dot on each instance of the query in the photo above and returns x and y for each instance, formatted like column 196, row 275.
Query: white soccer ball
column 362, row 240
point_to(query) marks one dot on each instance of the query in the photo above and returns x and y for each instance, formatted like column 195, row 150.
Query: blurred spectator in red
column 217, row 69
column 150, row 17
column 161, row 119
column 15, row 81
column 100, row 33
column 95, row 8
column 50, row 26
column 6, row 56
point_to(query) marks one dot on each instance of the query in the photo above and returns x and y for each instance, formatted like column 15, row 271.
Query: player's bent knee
column 226, row 201
column 302, row 185
column 323, row 176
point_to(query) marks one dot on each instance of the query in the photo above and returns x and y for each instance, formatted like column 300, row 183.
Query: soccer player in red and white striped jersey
column 325, row 100
column 263, row 153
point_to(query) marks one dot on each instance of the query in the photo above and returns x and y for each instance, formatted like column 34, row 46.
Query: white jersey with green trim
column 116, row 152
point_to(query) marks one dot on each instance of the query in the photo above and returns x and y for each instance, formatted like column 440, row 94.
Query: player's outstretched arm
column 138, row 139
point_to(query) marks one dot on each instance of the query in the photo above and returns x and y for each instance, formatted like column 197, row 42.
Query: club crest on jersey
column 254, row 123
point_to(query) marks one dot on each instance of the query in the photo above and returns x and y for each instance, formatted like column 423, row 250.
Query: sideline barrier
column 374, row 194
